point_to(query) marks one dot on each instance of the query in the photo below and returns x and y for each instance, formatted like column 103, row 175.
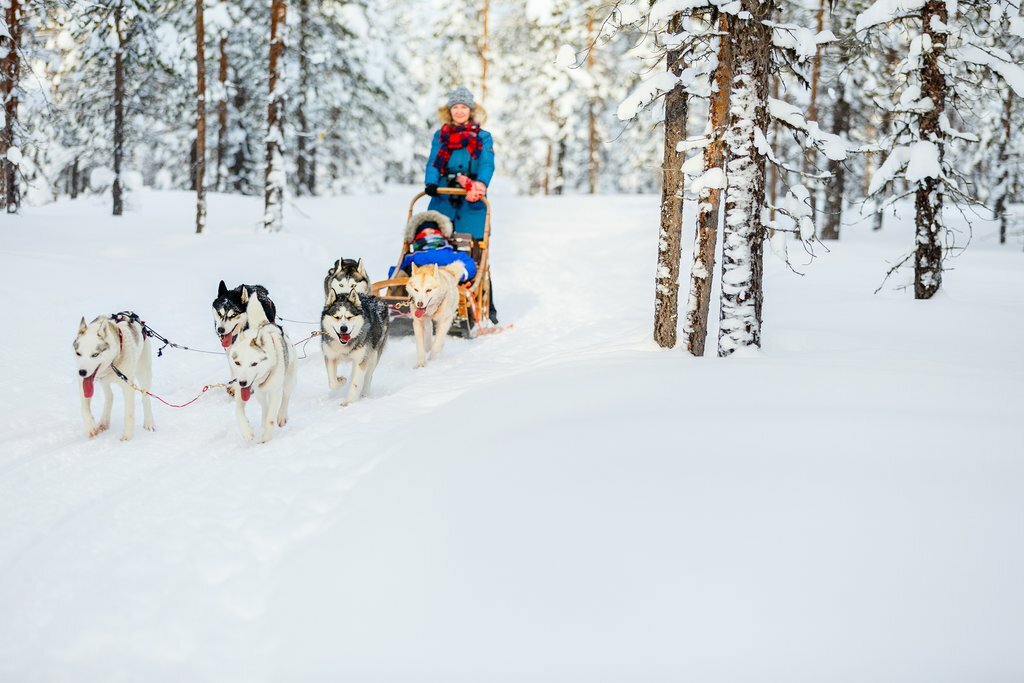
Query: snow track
column 559, row 502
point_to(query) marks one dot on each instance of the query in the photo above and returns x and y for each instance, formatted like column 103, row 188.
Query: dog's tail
column 456, row 269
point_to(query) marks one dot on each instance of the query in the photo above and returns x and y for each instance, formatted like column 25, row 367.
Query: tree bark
column 10, row 71
column 593, row 160
column 928, row 199
column 709, row 206
column 484, row 47
column 222, row 115
column 200, row 119
column 302, row 143
column 74, row 179
column 273, row 216
column 116, row 190
column 811, row 153
column 666, row 290
column 743, row 233
column 837, row 184
column 1003, row 186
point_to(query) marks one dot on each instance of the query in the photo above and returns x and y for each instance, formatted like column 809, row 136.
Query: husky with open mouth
column 353, row 328
column 110, row 342
column 264, row 366
column 229, row 315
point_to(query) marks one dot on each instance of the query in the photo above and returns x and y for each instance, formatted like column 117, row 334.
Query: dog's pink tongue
column 345, row 338
column 225, row 340
column 419, row 312
column 246, row 393
column 87, row 387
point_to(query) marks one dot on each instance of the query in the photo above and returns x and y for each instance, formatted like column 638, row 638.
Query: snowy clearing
column 562, row 502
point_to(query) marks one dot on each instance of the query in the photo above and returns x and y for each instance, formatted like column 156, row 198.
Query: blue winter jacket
column 442, row 257
column 467, row 216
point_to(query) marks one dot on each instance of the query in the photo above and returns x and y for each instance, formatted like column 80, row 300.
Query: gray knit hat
column 460, row 95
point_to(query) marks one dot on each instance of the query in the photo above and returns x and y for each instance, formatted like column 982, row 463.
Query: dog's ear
column 222, row 290
column 256, row 313
column 435, row 269
column 361, row 269
column 332, row 296
column 415, row 269
column 82, row 327
column 245, row 295
column 353, row 297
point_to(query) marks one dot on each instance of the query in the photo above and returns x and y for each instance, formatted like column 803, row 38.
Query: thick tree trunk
column 1003, row 187
column 666, row 290
column 560, row 164
column 273, row 216
column 10, row 70
column 743, row 233
column 240, row 170
column 928, row 199
column 118, row 108
column 222, row 115
column 200, row 119
column 74, row 179
column 303, row 143
column 837, row 183
column 702, row 271
column 773, row 170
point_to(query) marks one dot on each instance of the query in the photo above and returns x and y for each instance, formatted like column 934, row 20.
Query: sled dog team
column 353, row 328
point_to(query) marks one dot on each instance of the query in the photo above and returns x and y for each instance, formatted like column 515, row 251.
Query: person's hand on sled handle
column 430, row 189
column 476, row 191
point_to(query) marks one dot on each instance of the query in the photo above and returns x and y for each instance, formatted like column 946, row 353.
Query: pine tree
column 273, row 216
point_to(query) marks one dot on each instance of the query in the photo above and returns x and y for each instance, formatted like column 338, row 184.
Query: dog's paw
column 281, row 422
column 230, row 389
column 126, row 437
column 149, row 426
column 247, row 434
column 93, row 431
column 267, row 436
column 344, row 404
column 102, row 426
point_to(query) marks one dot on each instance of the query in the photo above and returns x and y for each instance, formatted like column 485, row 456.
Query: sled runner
column 474, row 296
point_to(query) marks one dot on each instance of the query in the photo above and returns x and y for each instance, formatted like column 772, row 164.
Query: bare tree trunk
column 702, row 272
column 928, row 199
column 773, row 170
column 593, row 161
column 10, row 70
column 743, row 234
column 837, row 184
column 238, row 176
column 118, row 108
column 200, row 119
column 74, row 179
column 302, row 143
column 1003, row 187
column 222, row 115
column 484, row 47
column 273, row 216
column 560, row 164
column 811, row 153
column 666, row 290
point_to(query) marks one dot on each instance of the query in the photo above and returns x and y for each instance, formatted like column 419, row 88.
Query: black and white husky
column 264, row 365
column 105, row 343
column 353, row 328
column 346, row 275
column 229, row 310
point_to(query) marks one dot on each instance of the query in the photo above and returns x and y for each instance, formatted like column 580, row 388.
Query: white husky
column 264, row 364
column 102, row 345
column 434, row 294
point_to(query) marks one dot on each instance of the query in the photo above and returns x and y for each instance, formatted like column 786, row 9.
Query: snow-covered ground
column 561, row 502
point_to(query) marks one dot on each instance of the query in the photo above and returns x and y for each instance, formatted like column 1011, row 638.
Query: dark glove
column 431, row 189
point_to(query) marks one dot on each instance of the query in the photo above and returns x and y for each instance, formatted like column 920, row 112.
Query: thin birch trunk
column 811, row 153
column 222, row 115
column 709, row 206
column 593, row 160
column 837, row 183
column 666, row 297
column 273, row 217
column 1003, row 187
column 118, row 108
column 302, row 143
column 200, row 119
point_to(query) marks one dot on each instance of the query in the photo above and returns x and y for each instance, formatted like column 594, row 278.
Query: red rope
column 183, row 405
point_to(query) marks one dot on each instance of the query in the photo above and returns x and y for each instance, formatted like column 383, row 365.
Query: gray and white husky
column 353, row 328
column 230, row 318
column 263, row 364
column 346, row 275
column 105, row 343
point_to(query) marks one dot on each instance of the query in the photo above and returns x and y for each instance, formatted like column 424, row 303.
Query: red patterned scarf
column 456, row 137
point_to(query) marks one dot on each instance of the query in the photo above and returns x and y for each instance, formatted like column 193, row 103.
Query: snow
column 893, row 164
column 14, row 155
column 566, row 57
column 652, row 87
column 923, row 161
column 560, row 502
column 884, row 11
column 996, row 60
